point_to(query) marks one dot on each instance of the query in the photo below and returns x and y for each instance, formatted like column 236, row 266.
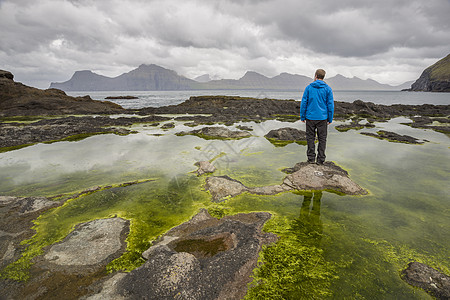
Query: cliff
column 435, row 78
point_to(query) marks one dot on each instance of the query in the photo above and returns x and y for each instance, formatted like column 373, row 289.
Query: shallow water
column 331, row 246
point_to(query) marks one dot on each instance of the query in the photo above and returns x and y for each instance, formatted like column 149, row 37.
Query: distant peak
column 253, row 74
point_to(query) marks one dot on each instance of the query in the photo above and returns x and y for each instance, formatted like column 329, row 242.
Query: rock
column 6, row 74
column 353, row 125
column 91, row 245
column 217, row 133
column 286, row 136
column 19, row 99
column 204, row 258
column 303, row 176
column 245, row 128
column 168, row 125
column 204, row 167
column 393, row 137
column 50, row 130
column 428, row 279
column 121, row 97
column 322, row 177
column 221, row 187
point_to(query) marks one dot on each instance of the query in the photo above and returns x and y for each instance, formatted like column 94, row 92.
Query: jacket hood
column 318, row 84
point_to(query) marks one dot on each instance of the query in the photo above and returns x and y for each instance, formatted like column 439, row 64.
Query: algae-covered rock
column 204, row 258
column 217, row 132
column 394, row 137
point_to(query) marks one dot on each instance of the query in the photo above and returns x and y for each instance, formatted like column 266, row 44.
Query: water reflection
column 308, row 226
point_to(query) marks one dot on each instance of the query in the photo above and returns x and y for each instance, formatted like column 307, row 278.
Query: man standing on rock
column 317, row 109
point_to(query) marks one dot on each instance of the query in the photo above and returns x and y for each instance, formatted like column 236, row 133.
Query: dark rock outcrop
column 354, row 124
column 432, row 281
column 48, row 130
column 204, row 258
column 217, row 132
column 286, row 135
column 19, row 99
column 435, row 78
column 394, row 137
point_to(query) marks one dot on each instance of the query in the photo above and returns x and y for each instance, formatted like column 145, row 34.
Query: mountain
column 156, row 78
column 144, row 78
column 435, row 78
column 203, row 78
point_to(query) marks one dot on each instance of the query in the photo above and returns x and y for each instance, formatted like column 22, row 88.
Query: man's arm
column 303, row 105
column 330, row 106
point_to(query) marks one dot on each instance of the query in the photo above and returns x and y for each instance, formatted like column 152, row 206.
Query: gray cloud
column 390, row 41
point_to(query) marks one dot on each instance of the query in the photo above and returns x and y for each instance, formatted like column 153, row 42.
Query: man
column 317, row 109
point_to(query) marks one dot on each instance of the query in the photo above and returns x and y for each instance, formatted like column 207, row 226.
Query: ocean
column 164, row 98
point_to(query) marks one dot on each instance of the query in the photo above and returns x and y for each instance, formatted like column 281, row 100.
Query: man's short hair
column 320, row 74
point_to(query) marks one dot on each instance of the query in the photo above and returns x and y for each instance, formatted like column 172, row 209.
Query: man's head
column 320, row 74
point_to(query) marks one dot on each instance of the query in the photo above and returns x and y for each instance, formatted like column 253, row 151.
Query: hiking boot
column 311, row 162
column 320, row 163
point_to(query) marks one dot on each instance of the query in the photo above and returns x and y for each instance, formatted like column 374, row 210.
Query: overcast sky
column 390, row 41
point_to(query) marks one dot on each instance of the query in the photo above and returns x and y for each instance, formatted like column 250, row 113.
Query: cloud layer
column 389, row 41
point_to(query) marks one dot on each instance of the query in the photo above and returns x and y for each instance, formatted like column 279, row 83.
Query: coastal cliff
column 435, row 78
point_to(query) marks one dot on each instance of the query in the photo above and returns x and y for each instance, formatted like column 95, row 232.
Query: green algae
column 335, row 247
column 153, row 207
column 280, row 143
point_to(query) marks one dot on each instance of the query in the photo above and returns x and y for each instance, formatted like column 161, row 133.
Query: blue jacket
column 317, row 102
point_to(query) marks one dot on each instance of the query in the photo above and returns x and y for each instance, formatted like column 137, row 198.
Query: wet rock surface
column 394, row 137
column 46, row 130
column 217, row 132
column 286, row 134
column 432, row 281
column 204, row 167
column 204, row 258
column 16, row 223
column 303, row 176
column 90, row 245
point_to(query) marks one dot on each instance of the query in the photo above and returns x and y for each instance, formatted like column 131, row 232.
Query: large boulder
column 204, row 258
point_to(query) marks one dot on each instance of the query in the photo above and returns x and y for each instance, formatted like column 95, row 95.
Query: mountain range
column 155, row 78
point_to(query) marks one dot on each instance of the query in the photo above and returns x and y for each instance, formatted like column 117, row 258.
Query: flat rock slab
column 94, row 243
column 217, row 132
column 432, row 281
column 204, row 258
column 322, row 177
column 303, row 176
column 393, row 137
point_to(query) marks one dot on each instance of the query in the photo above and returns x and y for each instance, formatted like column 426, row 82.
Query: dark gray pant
column 319, row 126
